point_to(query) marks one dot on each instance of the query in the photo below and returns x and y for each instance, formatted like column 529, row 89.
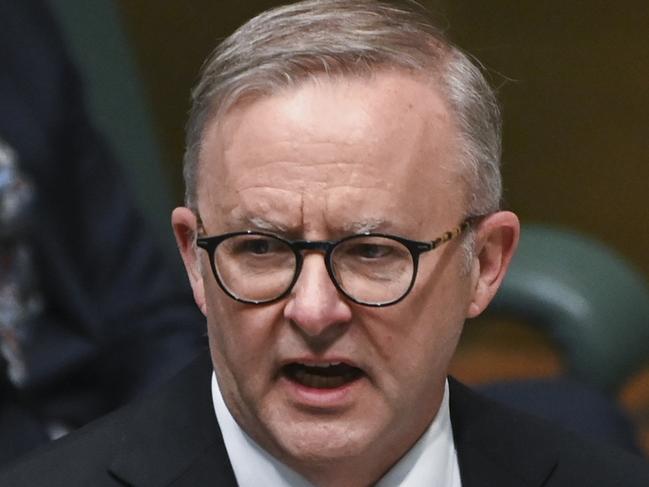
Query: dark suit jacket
column 172, row 438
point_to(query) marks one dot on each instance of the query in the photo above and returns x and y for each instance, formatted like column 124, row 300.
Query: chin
column 320, row 441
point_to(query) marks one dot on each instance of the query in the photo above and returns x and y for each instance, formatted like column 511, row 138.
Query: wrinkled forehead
column 391, row 132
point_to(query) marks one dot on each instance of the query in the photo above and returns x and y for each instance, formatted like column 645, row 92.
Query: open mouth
column 322, row 376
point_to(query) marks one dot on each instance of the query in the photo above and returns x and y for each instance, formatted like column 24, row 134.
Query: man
column 342, row 221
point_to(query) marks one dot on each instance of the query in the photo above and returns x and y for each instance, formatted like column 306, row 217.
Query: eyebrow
column 263, row 224
column 355, row 227
column 364, row 226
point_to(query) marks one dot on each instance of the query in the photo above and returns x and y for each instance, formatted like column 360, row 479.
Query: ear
column 495, row 241
column 184, row 225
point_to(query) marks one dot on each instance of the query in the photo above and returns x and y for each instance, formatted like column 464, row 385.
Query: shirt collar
column 431, row 461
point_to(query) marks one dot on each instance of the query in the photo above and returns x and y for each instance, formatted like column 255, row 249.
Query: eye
column 257, row 246
column 370, row 250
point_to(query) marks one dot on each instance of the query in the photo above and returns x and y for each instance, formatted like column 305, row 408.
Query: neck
column 368, row 467
column 352, row 472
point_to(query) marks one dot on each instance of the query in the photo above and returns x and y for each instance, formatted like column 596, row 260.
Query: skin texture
column 327, row 158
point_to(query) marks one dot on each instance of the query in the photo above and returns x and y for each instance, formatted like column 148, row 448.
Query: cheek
column 426, row 327
column 440, row 322
column 241, row 355
column 418, row 362
column 443, row 289
column 241, row 339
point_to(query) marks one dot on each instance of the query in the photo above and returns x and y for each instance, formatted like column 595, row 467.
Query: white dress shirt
column 431, row 461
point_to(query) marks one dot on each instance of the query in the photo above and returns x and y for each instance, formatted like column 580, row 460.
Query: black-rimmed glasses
column 372, row 269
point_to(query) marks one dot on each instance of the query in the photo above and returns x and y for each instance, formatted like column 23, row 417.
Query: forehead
column 340, row 150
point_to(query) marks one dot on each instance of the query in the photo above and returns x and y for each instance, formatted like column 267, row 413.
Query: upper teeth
column 323, row 364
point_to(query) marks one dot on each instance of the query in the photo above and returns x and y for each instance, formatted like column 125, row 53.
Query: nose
column 315, row 306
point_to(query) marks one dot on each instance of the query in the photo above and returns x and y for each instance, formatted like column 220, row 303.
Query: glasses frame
column 415, row 247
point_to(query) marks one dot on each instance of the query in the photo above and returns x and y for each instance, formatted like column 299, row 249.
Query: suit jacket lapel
column 173, row 438
column 496, row 446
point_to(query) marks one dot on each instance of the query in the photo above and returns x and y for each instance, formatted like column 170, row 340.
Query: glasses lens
column 372, row 269
column 255, row 267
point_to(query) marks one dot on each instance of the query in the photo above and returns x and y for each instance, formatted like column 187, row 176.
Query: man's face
column 327, row 159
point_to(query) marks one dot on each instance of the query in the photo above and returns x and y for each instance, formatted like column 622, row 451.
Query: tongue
column 322, row 377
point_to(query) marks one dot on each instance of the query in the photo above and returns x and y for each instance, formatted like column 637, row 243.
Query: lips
column 326, row 375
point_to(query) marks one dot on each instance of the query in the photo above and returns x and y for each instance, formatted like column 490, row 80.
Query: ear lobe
column 184, row 226
column 496, row 239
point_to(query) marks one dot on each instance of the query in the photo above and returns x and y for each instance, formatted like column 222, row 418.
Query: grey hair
column 285, row 46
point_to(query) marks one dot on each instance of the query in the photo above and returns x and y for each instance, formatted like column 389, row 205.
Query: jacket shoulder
column 152, row 441
column 494, row 441
column 79, row 458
